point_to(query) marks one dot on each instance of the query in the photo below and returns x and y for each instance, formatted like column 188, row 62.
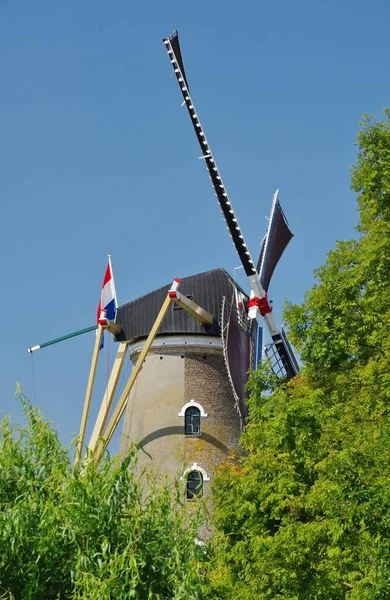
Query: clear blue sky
column 98, row 157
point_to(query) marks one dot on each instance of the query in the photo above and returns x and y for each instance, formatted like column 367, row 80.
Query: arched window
column 194, row 477
column 192, row 413
column 194, row 484
column 192, row 421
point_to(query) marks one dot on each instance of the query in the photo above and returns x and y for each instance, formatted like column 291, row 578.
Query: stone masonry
column 170, row 378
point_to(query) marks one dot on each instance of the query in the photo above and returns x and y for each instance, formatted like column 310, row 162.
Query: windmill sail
column 259, row 301
column 174, row 39
column 277, row 237
column 172, row 44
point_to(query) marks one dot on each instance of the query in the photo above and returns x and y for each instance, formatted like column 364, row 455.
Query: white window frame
column 189, row 405
column 195, row 467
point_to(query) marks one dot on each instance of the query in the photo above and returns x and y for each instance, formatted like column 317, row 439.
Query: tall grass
column 97, row 534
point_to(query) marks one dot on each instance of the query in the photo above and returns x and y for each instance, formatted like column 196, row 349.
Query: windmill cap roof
column 207, row 289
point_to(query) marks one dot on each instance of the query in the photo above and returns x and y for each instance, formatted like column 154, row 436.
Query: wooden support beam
column 193, row 309
column 104, row 440
column 88, row 394
column 113, row 327
column 109, row 395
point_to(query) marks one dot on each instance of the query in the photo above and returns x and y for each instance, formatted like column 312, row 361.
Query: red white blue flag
column 108, row 302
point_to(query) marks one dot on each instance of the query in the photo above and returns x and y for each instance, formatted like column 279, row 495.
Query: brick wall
column 206, row 381
column 170, row 378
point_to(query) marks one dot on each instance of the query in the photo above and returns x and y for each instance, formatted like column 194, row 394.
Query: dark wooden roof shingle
column 207, row 289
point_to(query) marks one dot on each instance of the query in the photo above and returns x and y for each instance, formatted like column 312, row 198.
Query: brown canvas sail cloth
column 174, row 39
column 278, row 236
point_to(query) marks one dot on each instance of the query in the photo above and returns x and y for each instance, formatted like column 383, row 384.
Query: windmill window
column 194, row 484
column 192, row 421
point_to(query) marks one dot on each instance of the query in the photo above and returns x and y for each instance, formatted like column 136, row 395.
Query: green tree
column 305, row 512
column 96, row 534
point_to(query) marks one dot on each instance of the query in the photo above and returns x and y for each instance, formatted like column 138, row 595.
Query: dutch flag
column 108, row 302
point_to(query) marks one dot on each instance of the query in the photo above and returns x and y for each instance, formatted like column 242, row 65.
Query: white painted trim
column 188, row 405
column 33, row 348
column 169, row 341
column 195, row 467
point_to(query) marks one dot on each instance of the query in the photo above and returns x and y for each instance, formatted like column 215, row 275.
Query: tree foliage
column 305, row 512
column 92, row 534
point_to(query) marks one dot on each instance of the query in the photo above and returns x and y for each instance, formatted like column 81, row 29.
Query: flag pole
column 62, row 338
column 108, row 395
column 88, row 395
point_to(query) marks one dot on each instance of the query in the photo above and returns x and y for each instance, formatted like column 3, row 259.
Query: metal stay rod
column 62, row 338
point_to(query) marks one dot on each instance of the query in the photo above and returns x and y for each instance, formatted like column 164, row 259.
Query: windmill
column 185, row 399
column 278, row 233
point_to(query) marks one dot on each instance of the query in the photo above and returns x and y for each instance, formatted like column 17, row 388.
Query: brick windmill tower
column 187, row 406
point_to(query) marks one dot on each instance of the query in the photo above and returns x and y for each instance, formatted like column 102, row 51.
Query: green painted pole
column 63, row 337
